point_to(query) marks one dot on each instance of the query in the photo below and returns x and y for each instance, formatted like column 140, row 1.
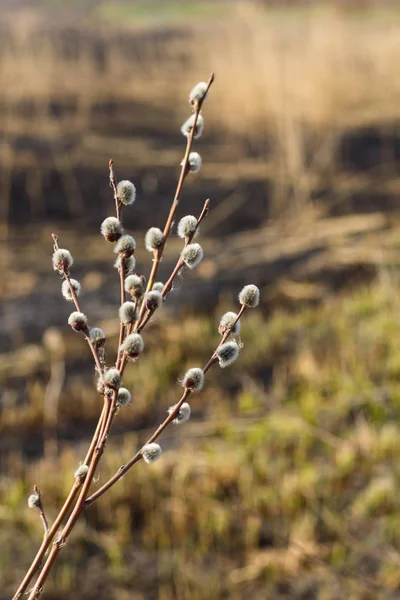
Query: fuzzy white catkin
column 193, row 379
column 188, row 126
column 125, row 246
column 62, row 260
column 226, row 323
column 112, row 378
column 158, row 286
column 34, row 501
column 134, row 285
column 126, row 192
column 227, row 353
column 153, row 239
column 78, row 321
column 183, row 414
column 198, row 92
column 124, row 396
column 111, row 229
column 187, row 226
column 192, row 255
column 250, row 296
column 66, row 292
column 81, row 471
column 151, row 452
column 97, row 336
column 132, row 345
column 153, row 300
column 129, row 264
column 127, row 312
column 194, row 161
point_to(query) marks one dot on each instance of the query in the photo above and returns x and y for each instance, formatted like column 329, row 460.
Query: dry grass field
column 284, row 484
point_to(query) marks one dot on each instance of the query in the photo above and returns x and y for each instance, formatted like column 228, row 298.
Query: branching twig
column 174, row 206
column 78, row 499
column 172, row 415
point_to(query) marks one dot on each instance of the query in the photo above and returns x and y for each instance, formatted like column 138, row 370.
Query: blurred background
column 285, row 482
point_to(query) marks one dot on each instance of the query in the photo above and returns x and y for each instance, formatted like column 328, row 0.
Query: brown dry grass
column 290, row 85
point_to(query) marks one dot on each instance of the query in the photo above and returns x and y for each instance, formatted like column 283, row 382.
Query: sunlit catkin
column 249, row 296
column 66, row 290
column 193, row 379
column 62, row 260
column 227, row 353
column 126, row 192
column 78, row 321
column 151, row 452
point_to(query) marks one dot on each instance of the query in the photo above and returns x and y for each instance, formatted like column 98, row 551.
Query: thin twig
column 174, row 206
column 224, row 338
column 113, row 184
column 122, row 285
column 180, row 263
column 78, row 308
column 40, row 508
column 124, row 468
column 46, row 542
column 100, row 436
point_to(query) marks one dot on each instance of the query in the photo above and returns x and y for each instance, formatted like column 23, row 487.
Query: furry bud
column 78, row 321
column 193, row 379
column 158, row 286
column 125, row 246
column 132, row 345
column 135, row 286
column 112, row 378
column 129, row 264
column 198, row 93
column 81, row 471
column 194, row 162
column 127, row 313
column 62, row 260
column 124, row 397
column 153, row 300
column 66, row 292
column 111, row 228
column 153, row 239
column 250, row 296
column 226, row 322
column 151, row 452
column 183, row 414
column 126, row 192
column 187, row 226
column 34, row 501
column 97, row 337
column 188, row 126
column 192, row 255
column 227, row 353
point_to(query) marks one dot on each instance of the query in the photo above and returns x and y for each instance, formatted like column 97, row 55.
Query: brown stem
column 60, row 517
column 83, row 503
column 97, row 433
column 168, row 285
column 175, row 202
column 124, row 468
column 96, row 449
column 78, row 308
column 113, row 184
column 227, row 333
column 121, row 325
column 46, row 543
column 79, row 505
column 41, row 510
